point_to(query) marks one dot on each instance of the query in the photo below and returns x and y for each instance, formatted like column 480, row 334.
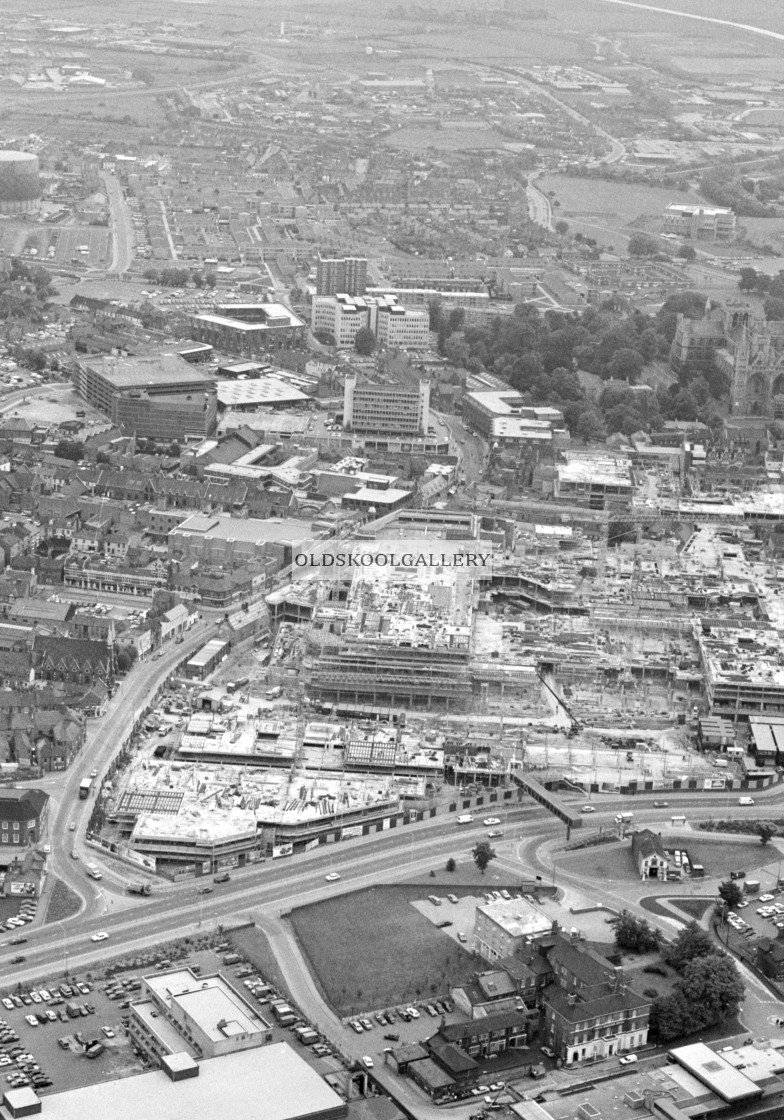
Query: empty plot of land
column 373, row 949
column 444, row 139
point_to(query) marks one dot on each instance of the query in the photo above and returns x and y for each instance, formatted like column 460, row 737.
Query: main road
column 122, row 227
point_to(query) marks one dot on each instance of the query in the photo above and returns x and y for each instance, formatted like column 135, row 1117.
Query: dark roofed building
column 72, row 660
column 593, row 1024
column 24, row 814
column 770, row 957
column 649, row 855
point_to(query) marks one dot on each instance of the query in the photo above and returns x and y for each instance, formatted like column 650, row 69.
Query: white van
column 465, row 818
column 745, row 800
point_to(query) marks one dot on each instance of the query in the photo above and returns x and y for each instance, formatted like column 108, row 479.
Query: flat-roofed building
column 341, row 274
column 728, row 1083
column 208, row 1014
column 700, row 223
column 155, row 396
column 404, row 329
column 207, row 659
column 250, row 329
column 501, row 415
column 270, row 1083
column 219, row 539
column 501, row 927
column 393, row 409
column 600, row 481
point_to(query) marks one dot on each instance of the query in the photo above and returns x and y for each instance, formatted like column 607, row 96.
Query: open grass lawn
column 372, row 949
column 694, row 907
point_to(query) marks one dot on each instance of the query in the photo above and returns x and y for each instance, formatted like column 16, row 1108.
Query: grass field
column 63, row 903
column 372, row 949
column 717, row 857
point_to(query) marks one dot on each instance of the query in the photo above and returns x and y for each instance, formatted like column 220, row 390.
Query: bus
column 85, row 787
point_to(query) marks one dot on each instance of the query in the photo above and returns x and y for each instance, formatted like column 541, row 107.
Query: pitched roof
column 22, row 804
column 646, row 844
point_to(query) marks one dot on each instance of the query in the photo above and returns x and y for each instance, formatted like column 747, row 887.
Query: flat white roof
column 267, row 1083
column 713, row 1071
column 262, row 390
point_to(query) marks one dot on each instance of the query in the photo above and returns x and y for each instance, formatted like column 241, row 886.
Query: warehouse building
column 267, row 1083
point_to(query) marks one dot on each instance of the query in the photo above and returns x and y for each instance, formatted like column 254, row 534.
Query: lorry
column 624, row 818
column 144, row 889
column 93, row 871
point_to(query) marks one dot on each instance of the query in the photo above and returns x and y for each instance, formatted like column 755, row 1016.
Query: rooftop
column 148, row 371
column 226, row 1086
column 517, row 917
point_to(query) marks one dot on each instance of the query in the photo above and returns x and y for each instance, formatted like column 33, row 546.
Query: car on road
column 224, row 877
column 588, row 809
column 74, row 855
column 72, row 826
column 19, row 960
column 367, row 1062
column 93, row 773
column 108, row 1032
column 205, row 890
column 745, row 800
column 103, row 936
column 628, row 1059
column 18, row 941
column 462, row 938
column 767, row 897
column 547, row 1051
column 494, row 833
column 491, row 820
column 332, row 877
column 661, row 804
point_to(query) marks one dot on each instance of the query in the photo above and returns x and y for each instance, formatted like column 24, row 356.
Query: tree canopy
column 635, row 934
column 483, row 853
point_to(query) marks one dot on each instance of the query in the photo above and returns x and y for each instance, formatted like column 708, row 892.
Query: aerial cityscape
column 392, row 541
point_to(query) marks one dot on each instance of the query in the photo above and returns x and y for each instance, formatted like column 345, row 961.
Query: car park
column 355, row 1026
column 31, row 1019
column 366, row 1024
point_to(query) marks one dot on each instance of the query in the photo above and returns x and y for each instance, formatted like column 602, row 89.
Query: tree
column 483, row 853
column 765, row 830
column 561, row 226
column 713, row 985
column 590, row 425
column 625, row 365
column 669, row 1017
column 774, row 309
column 365, row 341
column 748, row 279
column 174, row 449
column 643, row 245
column 635, row 933
column 730, row 893
column 450, row 864
column 70, row 449
column 687, row 253
column 692, row 942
